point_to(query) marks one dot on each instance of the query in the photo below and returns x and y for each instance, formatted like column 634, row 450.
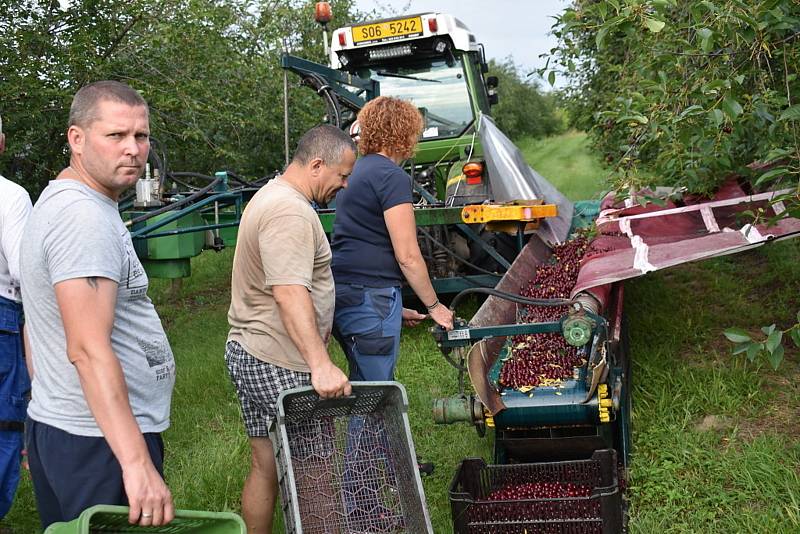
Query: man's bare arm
column 27, row 347
column 87, row 311
column 297, row 313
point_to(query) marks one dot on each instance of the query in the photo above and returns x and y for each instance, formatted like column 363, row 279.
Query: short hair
column 326, row 142
column 83, row 110
column 387, row 125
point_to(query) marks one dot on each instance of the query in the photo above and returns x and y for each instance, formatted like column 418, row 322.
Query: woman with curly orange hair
column 375, row 244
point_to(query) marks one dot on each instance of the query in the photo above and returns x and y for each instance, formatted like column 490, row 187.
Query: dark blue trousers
column 367, row 324
column 71, row 473
column 15, row 388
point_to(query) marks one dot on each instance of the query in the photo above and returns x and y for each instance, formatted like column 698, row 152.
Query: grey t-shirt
column 76, row 232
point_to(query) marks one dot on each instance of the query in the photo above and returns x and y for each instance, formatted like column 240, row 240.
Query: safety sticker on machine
column 462, row 333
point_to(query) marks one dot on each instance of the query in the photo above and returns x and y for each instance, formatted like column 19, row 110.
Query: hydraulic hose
column 331, row 102
column 504, row 295
column 238, row 179
column 160, row 162
column 193, row 175
column 187, row 200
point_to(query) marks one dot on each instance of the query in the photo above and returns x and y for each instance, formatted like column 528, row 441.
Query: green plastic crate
column 114, row 519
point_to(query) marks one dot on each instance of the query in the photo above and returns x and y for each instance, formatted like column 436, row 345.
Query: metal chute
column 511, row 179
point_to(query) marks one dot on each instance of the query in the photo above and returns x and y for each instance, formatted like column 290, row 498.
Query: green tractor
column 477, row 201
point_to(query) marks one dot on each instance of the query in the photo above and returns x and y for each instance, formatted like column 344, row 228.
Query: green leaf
column 731, row 107
column 771, row 175
column 745, row 18
column 778, row 153
column 710, row 6
column 717, row 116
column 740, row 348
column 752, row 351
column 600, row 37
column 690, row 111
column 654, row 25
column 795, row 335
column 641, row 119
column 737, row 335
column 768, row 329
column 774, row 340
column 551, row 78
column 791, row 113
column 706, row 39
column 739, row 79
column 715, row 85
column 776, row 357
column 798, row 316
column 704, row 33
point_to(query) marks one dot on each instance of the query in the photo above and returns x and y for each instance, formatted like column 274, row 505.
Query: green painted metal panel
column 327, row 218
column 180, row 268
column 435, row 216
column 227, row 234
column 171, row 247
column 456, row 148
column 423, row 216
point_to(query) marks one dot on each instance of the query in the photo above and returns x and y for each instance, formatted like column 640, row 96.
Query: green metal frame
column 423, row 217
column 336, row 79
column 464, row 335
column 144, row 231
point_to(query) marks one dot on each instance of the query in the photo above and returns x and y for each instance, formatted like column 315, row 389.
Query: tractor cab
column 429, row 59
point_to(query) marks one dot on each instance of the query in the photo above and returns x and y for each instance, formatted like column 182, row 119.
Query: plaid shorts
column 258, row 385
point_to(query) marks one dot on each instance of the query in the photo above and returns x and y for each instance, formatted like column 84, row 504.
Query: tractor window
column 439, row 91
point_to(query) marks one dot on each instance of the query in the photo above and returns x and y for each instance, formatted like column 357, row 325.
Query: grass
column 716, row 445
column 566, row 162
column 715, row 440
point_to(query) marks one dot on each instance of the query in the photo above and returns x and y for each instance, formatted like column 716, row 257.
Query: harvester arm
column 334, row 80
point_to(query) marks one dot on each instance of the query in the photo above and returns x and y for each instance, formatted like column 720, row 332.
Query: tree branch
column 120, row 37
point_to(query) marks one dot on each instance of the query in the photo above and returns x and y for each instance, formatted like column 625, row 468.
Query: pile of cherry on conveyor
column 546, row 359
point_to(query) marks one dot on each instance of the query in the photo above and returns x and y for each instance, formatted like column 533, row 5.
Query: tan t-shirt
column 281, row 242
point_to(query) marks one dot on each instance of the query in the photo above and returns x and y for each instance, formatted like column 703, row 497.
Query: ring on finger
column 146, row 515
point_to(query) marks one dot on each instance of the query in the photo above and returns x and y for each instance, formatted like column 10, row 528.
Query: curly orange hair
column 389, row 125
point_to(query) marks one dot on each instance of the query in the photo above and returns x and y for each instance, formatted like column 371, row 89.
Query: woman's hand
column 442, row 315
column 412, row 317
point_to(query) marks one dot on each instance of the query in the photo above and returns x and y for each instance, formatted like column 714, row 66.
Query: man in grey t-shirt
column 103, row 368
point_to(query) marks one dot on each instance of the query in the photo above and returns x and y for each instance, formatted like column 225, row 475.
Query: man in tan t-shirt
column 282, row 301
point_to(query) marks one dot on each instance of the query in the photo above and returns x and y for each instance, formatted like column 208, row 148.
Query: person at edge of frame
column 103, row 367
column 375, row 244
column 15, row 385
column 282, row 301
